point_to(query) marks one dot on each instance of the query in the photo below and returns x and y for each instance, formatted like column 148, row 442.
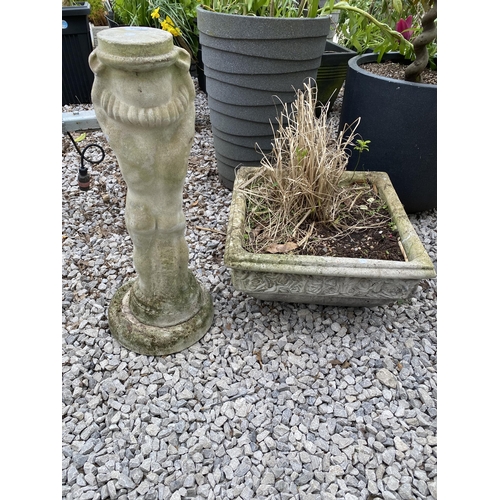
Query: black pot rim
column 355, row 63
column 81, row 8
column 337, row 49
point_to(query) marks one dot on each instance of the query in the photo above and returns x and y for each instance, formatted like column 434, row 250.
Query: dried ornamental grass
column 299, row 184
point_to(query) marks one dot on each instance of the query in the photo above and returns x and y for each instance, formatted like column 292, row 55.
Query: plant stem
column 301, row 7
column 413, row 72
column 384, row 27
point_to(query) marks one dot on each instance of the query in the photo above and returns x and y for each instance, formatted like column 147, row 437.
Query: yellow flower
column 168, row 25
column 156, row 13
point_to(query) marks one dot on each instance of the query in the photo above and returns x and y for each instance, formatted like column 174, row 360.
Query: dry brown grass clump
column 298, row 186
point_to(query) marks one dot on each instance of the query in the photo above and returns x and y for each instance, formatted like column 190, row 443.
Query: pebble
column 400, row 444
column 340, row 403
column 387, row 378
column 243, row 467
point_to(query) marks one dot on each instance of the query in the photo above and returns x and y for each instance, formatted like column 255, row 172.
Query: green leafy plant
column 356, row 31
column 268, row 8
column 405, row 26
column 131, row 12
column 361, row 146
column 97, row 14
column 301, row 183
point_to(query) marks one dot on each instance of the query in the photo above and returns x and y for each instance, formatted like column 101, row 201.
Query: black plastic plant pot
column 110, row 15
column 332, row 72
column 200, row 71
column 111, row 20
column 77, row 77
column 400, row 120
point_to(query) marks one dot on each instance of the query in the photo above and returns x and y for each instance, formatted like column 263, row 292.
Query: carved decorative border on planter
column 327, row 280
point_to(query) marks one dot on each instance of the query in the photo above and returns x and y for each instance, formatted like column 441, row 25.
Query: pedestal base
column 153, row 340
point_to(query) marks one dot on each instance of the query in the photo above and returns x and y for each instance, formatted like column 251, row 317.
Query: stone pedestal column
column 143, row 98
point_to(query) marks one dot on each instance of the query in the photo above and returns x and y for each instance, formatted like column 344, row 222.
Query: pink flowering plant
column 404, row 27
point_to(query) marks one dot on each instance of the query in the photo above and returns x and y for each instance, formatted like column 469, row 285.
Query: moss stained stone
column 332, row 281
column 143, row 98
column 153, row 340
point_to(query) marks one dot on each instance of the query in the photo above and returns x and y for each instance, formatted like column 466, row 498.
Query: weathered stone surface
column 328, row 280
column 143, row 97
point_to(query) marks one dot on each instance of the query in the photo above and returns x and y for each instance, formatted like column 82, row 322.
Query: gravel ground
column 277, row 401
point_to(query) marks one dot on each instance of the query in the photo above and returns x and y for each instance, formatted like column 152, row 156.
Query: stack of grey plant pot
column 253, row 66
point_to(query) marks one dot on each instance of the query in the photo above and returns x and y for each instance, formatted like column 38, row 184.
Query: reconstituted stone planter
column 143, row 98
column 327, row 280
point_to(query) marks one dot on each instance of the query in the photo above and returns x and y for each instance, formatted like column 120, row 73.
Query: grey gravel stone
column 387, row 378
column 304, row 478
column 405, row 491
column 243, row 467
column 432, row 488
column 276, row 401
column 387, row 495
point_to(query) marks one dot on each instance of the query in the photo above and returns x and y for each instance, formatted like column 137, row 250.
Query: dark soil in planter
column 373, row 243
column 390, row 69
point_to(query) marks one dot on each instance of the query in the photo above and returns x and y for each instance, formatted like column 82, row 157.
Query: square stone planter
column 327, row 280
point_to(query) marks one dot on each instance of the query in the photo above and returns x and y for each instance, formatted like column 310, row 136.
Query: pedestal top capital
column 136, row 48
